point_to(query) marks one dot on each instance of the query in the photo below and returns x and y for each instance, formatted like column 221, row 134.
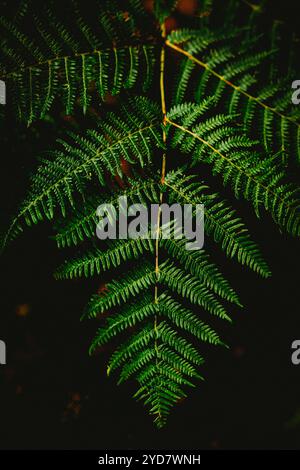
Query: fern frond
column 98, row 261
column 186, row 320
column 130, row 135
column 226, row 72
column 196, row 262
column 191, row 288
column 225, row 120
column 119, row 291
column 128, row 318
column 82, row 225
column 237, row 158
column 62, row 64
column 220, row 222
column 166, row 363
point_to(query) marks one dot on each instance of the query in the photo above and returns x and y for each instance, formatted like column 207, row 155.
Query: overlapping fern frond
column 257, row 177
column 50, row 60
column 232, row 67
column 156, row 350
column 130, row 134
column 157, row 293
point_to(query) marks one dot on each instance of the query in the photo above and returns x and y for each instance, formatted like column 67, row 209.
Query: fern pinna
column 227, row 114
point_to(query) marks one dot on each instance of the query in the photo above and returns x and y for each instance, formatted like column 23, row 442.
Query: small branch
column 232, row 85
column 23, row 67
column 240, row 169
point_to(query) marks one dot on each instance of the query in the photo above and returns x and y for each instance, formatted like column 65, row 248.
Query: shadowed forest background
column 53, row 395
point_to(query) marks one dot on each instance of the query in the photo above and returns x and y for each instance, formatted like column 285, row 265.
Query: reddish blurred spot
column 170, row 24
column 76, row 409
column 110, row 99
column 126, row 15
column 23, row 310
column 203, row 14
column 187, row 7
column 215, row 444
column 19, row 390
column 149, row 5
column 238, row 351
column 76, row 397
column 69, row 118
column 73, row 407
column 126, row 167
column 180, row 400
column 102, row 289
column 94, row 112
column 119, row 181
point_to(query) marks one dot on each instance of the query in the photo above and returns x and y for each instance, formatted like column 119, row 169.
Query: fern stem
column 232, row 85
column 163, row 169
column 24, row 67
column 30, row 98
column 68, row 86
column 163, row 174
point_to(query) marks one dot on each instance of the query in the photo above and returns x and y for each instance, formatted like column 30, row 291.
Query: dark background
column 53, row 395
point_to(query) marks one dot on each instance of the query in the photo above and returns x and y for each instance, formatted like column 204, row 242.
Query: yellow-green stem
column 163, row 168
column 232, row 85
column 163, row 173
